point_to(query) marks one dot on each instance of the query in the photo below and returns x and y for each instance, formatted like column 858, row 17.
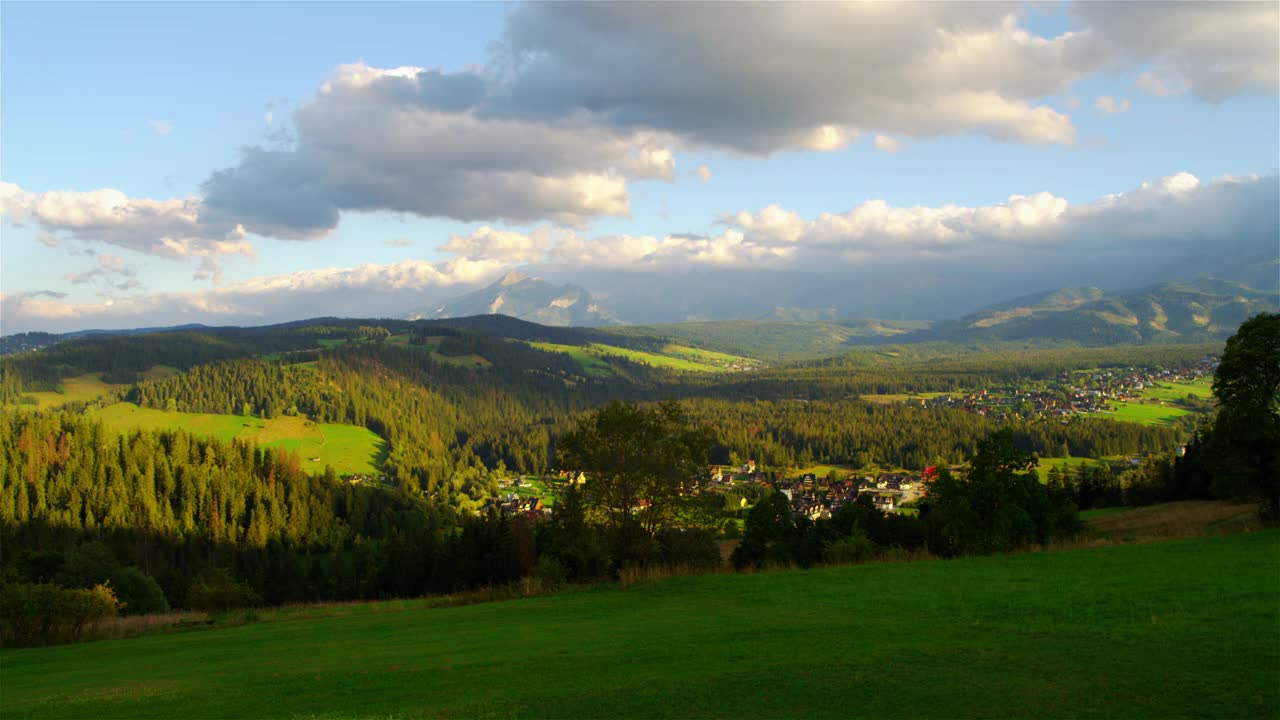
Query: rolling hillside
column 1175, row 629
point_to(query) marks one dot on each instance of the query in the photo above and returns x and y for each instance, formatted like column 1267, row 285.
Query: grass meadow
column 81, row 388
column 1186, row 628
column 349, row 449
column 592, row 358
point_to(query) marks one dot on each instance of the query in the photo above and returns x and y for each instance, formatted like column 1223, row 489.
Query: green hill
column 1178, row 629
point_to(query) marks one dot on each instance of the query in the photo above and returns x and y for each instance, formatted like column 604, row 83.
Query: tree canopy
column 1244, row 444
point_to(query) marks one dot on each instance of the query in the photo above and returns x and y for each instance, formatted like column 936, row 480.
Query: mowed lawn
column 1160, row 630
column 349, row 449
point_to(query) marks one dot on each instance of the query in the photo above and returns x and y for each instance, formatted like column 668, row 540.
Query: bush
column 692, row 548
column 93, row 564
column 217, row 590
column 32, row 613
column 856, row 548
column 139, row 593
column 550, row 572
column 730, row 530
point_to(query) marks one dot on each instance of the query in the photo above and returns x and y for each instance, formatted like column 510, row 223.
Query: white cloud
column 704, row 173
column 110, row 275
column 503, row 245
column 368, row 290
column 1072, row 102
column 269, row 117
column 404, row 139
column 886, row 144
column 1029, row 241
column 160, row 127
column 175, row 229
column 1108, row 105
column 1216, row 50
column 1152, row 84
column 774, row 76
column 1177, row 211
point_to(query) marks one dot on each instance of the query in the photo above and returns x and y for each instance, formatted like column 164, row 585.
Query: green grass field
column 75, row 389
column 84, row 388
column 591, row 363
column 1158, row 405
column 1158, row 630
column 349, row 449
column 592, row 358
column 886, row 398
column 819, row 471
column 1145, row 413
column 1174, row 391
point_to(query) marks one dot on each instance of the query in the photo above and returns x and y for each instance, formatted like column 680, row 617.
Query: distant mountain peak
column 512, row 278
column 528, row 298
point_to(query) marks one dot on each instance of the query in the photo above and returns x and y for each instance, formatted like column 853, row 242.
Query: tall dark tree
column 1244, row 447
column 997, row 505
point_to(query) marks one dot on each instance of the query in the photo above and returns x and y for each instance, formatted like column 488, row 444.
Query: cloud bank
column 958, row 252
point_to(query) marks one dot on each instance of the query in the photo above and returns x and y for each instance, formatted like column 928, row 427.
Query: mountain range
column 1192, row 311
column 527, row 298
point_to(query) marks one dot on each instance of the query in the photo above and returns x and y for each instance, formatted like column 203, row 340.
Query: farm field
column 90, row 386
column 1145, row 413
column 1174, row 391
column 592, row 357
column 1175, row 629
column 886, row 398
column 1158, row 405
column 82, row 388
column 591, row 363
column 349, row 449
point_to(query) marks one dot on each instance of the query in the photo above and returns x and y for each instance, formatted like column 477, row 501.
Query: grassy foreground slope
column 1184, row 628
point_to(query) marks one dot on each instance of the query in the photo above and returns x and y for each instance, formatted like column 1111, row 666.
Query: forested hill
column 456, row 412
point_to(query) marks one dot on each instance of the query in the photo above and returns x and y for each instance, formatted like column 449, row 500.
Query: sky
column 235, row 163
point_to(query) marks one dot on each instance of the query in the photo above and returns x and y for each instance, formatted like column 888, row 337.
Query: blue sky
column 151, row 99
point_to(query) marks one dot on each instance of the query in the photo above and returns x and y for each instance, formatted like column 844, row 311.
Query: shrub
column 139, row 593
column 93, row 564
column 550, row 572
column 32, row 613
column 856, row 548
column 217, row 590
column 694, row 548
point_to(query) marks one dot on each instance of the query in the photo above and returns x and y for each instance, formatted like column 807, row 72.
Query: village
column 811, row 496
column 1072, row 393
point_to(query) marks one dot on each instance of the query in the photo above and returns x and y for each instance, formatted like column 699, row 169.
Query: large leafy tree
column 1244, row 447
column 641, row 463
column 997, row 505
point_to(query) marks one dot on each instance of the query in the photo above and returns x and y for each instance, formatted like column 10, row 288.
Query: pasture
column 593, row 357
column 1145, row 413
column 82, row 388
column 1177, row 629
column 347, row 448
